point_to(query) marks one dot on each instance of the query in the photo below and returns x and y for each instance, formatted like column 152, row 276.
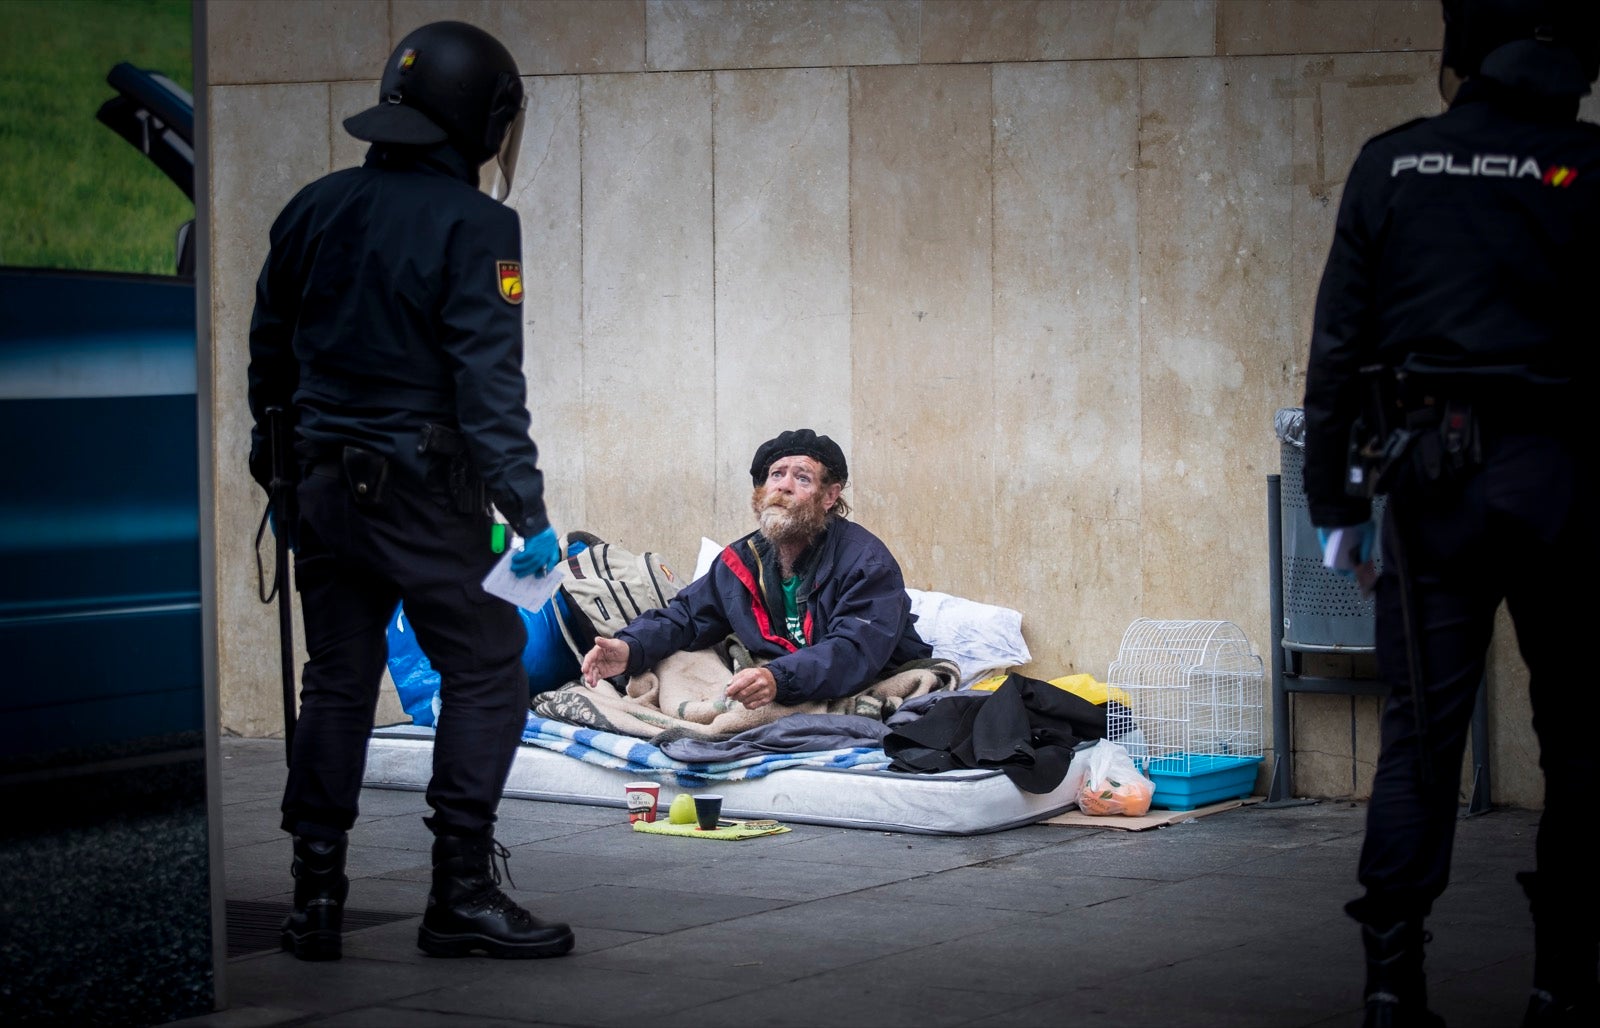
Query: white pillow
column 981, row 638
column 708, row 556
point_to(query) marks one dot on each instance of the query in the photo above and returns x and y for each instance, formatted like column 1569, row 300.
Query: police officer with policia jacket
column 818, row 598
column 1452, row 370
column 388, row 320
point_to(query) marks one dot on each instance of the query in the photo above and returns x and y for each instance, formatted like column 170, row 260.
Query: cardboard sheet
column 1154, row 819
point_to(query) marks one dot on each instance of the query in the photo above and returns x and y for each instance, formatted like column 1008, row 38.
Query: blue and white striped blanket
column 640, row 758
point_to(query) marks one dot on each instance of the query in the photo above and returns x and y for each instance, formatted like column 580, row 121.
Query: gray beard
column 788, row 525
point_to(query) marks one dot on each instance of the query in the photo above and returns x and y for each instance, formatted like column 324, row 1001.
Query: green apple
column 682, row 810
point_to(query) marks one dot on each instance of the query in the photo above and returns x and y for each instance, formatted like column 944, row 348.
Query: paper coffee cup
column 707, row 808
column 643, row 798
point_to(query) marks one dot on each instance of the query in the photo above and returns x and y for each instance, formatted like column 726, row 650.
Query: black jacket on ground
column 1026, row 728
column 391, row 298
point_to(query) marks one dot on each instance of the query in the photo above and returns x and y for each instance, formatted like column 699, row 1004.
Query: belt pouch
column 367, row 475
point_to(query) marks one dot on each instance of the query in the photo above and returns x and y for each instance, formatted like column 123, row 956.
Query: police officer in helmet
column 1452, row 357
column 388, row 321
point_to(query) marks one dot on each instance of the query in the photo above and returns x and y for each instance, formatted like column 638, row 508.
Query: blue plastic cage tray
column 1184, row 781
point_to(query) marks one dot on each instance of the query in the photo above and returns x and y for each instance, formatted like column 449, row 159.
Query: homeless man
column 819, row 599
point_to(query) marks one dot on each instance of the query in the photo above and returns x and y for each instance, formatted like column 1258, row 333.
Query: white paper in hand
column 530, row 593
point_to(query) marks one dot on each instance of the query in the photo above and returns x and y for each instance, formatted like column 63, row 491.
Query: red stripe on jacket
column 757, row 609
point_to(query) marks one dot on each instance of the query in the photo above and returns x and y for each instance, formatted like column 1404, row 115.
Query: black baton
column 282, row 489
column 1416, row 671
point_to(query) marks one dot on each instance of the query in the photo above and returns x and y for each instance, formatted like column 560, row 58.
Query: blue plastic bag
column 546, row 658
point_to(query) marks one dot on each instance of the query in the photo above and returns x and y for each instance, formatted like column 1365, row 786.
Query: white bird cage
column 1194, row 693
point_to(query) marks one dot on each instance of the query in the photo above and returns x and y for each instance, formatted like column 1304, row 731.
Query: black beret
column 802, row 442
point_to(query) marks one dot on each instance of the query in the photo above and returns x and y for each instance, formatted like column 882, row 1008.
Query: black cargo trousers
column 1517, row 528
column 354, row 562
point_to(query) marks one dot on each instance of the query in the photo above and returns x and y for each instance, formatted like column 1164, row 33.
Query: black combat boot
column 320, row 887
column 1397, row 990
column 467, row 912
column 1566, row 950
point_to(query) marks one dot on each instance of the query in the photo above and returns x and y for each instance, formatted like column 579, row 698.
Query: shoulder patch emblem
column 510, row 276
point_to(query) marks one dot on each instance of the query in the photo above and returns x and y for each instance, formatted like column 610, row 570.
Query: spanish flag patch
column 510, row 275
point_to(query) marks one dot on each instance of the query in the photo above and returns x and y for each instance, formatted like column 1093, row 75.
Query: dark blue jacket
column 857, row 622
column 391, row 299
column 1463, row 240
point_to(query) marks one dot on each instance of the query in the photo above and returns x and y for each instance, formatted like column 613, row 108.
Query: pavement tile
column 1231, row 920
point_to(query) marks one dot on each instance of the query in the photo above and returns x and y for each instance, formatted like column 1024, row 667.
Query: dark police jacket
column 857, row 616
column 390, row 299
column 1468, row 240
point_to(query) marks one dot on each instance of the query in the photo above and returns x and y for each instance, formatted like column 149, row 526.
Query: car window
column 78, row 196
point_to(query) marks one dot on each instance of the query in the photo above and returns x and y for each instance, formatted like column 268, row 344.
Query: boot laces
column 496, row 850
column 496, row 900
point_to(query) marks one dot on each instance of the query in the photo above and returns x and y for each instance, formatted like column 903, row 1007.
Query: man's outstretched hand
column 537, row 556
column 754, row 687
column 606, row 659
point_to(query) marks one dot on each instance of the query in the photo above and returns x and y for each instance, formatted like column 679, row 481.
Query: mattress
column 964, row 802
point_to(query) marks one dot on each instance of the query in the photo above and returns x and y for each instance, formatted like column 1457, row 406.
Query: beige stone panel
column 923, row 374
column 1514, row 770
column 783, row 270
column 248, row 41
column 289, row 123
column 1335, row 745
column 1066, row 408
column 1065, row 30
column 648, row 311
column 687, row 35
column 1339, row 102
column 1362, row 95
column 346, row 99
column 1214, row 197
column 1327, row 26
column 546, row 193
column 545, row 37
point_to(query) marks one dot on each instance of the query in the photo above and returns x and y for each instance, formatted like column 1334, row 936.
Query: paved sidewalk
column 1232, row 919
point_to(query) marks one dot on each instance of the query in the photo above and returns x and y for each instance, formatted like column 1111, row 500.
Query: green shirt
column 791, row 609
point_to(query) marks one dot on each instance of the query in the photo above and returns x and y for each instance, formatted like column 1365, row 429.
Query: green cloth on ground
column 735, row 831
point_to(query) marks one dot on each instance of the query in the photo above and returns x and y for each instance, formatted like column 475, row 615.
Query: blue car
column 100, row 620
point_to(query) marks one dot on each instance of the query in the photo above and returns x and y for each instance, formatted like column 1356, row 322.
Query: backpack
column 606, row 587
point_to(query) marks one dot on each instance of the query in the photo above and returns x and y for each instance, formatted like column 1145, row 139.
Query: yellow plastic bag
column 1086, row 686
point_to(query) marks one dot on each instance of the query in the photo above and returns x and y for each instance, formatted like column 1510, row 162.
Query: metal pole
column 1283, row 760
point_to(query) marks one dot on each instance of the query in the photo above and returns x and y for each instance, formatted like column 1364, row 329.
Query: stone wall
column 1044, row 268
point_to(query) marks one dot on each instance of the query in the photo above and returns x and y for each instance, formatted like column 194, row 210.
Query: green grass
column 73, row 194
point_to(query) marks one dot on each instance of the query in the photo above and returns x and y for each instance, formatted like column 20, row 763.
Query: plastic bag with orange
column 1113, row 784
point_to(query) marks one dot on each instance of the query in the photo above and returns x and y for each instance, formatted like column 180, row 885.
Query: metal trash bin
column 1323, row 612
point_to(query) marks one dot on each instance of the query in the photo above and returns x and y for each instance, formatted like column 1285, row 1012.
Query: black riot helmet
column 1551, row 47
column 449, row 81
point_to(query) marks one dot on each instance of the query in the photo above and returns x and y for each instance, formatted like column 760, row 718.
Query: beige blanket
column 683, row 696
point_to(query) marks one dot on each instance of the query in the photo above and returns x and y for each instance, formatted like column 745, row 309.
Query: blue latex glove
column 537, row 555
column 1346, row 549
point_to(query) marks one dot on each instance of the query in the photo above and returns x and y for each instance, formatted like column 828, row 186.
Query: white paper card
column 530, row 593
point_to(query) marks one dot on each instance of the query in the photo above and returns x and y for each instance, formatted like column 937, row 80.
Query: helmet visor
column 506, row 158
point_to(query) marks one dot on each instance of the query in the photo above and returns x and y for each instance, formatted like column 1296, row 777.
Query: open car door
column 156, row 115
